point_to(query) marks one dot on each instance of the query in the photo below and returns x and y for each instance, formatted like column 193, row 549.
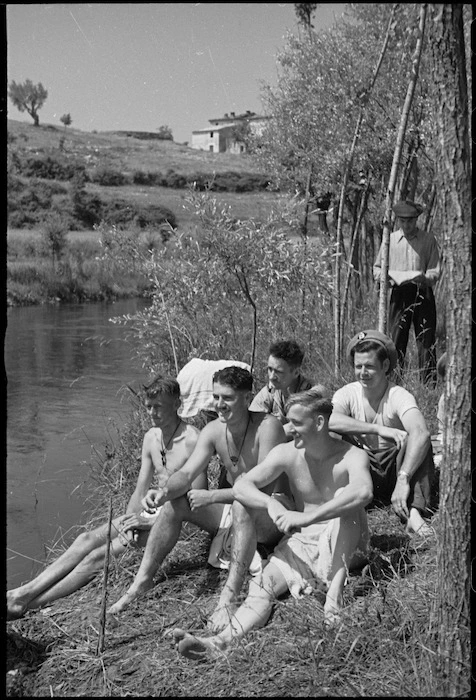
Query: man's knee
column 178, row 509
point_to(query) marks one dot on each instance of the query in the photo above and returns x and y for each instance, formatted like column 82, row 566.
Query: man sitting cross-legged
column 241, row 439
column 165, row 448
column 325, row 536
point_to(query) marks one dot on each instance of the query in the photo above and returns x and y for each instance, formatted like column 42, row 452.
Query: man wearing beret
column 413, row 269
column 384, row 419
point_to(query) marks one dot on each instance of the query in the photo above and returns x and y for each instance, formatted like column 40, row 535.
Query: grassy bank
column 383, row 647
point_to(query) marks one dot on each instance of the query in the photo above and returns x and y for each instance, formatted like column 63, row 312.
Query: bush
column 107, row 177
column 51, row 168
column 121, row 213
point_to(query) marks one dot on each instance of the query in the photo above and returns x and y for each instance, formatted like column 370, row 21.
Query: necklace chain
column 163, row 451
column 234, row 459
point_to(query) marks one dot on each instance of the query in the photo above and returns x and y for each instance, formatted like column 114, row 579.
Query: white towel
column 196, row 384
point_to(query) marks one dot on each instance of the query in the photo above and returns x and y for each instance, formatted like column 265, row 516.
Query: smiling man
column 241, row 439
column 325, row 534
column 384, row 419
column 284, row 378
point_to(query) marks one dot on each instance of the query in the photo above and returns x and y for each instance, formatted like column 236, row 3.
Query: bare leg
column 246, row 525
column 253, row 613
column 349, row 534
column 41, row 590
column 162, row 539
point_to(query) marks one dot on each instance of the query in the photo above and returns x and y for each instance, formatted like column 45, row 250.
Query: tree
column 66, row 120
column 28, row 98
column 304, row 11
column 165, row 133
column 452, row 111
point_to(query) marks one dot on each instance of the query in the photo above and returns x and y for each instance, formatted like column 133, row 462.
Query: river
column 66, row 368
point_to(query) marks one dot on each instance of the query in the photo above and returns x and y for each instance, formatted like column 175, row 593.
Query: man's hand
column 400, row 497
column 286, row 521
column 197, row 498
column 154, row 498
column 398, row 436
column 130, row 524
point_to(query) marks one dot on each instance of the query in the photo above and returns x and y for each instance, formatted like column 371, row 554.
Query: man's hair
column 162, row 385
column 368, row 346
column 236, row 377
column 316, row 399
column 287, row 350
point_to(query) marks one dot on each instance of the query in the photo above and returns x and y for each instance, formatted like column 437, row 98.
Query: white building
column 220, row 136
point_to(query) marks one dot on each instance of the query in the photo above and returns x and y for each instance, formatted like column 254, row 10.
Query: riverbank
column 383, row 646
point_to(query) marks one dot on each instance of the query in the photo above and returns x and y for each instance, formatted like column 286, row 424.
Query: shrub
column 51, row 168
column 107, row 177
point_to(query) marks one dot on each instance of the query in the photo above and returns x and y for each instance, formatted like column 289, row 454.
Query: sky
column 140, row 66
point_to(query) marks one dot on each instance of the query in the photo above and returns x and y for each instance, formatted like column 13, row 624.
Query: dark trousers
column 385, row 463
column 384, row 466
column 414, row 305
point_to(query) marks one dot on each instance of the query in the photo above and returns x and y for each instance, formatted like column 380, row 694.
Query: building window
column 211, row 148
column 211, row 134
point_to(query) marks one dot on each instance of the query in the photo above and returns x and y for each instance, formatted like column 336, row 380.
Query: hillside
column 121, row 172
column 127, row 153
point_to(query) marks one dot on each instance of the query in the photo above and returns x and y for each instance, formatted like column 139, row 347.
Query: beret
column 376, row 337
column 407, row 208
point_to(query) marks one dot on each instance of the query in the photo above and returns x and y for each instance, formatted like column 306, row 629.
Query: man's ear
column 386, row 365
column 320, row 421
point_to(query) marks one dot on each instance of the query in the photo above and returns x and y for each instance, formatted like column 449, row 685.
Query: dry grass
column 382, row 647
column 125, row 153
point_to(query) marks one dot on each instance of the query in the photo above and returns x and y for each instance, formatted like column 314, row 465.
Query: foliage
column 164, row 132
column 315, row 104
column 28, row 98
column 66, row 120
column 54, row 236
column 304, row 12
column 107, row 177
column 201, row 278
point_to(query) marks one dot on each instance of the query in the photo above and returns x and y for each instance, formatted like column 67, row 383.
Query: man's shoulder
column 347, row 389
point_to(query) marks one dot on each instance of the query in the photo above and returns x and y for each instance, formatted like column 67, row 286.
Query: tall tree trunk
column 454, row 180
column 382, row 310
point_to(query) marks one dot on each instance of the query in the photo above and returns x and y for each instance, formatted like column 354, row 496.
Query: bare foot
column 416, row 525
column 198, row 648
column 128, row 597
column 221, row 616
column 16, row 607
column 332, row 615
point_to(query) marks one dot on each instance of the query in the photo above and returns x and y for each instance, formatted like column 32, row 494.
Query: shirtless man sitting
column 325, row 536
column 165, row 448
column 241, row 439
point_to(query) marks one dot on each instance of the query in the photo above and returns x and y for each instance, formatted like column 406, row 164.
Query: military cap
column 375, row 337
column 407, row 209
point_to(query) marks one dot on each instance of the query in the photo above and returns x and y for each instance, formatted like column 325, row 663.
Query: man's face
column 161, row 408
column 408, row 224
column 302, row 424
column 368, row 369
column 230, row 403
column 280, row 373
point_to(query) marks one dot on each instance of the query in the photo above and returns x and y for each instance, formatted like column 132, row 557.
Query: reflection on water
column 66, row 369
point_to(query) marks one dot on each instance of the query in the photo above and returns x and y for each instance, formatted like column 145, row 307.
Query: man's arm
column 418, row 440
column 144, row 480
column 181, row 480
column 247, row 489
column 344, row 424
